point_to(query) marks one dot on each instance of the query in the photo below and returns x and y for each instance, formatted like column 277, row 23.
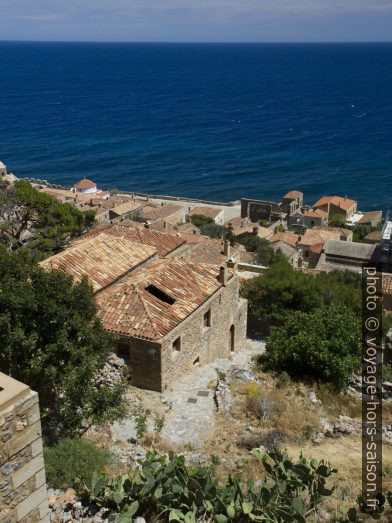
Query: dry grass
column 345, row 454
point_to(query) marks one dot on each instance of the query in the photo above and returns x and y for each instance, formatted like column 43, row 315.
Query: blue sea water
column 216, row 121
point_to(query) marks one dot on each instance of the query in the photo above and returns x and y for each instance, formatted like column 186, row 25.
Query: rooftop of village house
column 209, row 212
column 163, row 243
column 344, row 203
column 102, row 258
column 293, row 195
column 151, row 302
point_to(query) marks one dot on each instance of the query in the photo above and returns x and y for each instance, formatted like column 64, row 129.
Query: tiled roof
column 375, row 236
column 210, row 212
column 85, row 183
column 317, row 213
column 348, row 233
column 164, row 243
column 129, row 308
column 287, row 249
column 287, row 237
column 313, row 236
column 293, row 194
column 370, row 216
column 102, row 258
column 210, row 252
column 316, row 248
column 151, row 212
column 126, row 207
column 338, row 201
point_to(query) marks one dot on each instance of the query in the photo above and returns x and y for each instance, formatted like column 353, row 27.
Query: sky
column 197, row 20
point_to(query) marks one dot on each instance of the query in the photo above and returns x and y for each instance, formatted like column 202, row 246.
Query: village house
column 257, row 210
column 343, row 255
column 125, row 210
column 370, row 219
column 285, row 236
column 292, row 202
column 169, row 211
column 210, row 251
column 373, row 237
column 215, row 213
column 312, row 242
column 103, row 259
column 313, row 218
column 173, row 315
column 338, row 208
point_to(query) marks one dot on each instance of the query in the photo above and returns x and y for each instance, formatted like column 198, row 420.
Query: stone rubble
column 112, row 373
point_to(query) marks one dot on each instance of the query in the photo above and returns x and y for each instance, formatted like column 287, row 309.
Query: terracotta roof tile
column 164, row 243
column 317, row 213
column 210, row 212
column 338, row 201
column 293, row 194
column 370, row 216
column 287, row 237
column 102, row 258
column 129, row 308
column 151, row 212
column 85, row 183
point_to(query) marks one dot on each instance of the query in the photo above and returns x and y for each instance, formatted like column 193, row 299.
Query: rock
column 139, row 520
column 346, row 425
column 313, row 398
column 243, row 374
column 318, row 438
column 223, row 398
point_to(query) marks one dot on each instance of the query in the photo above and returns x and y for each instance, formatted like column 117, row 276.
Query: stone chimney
column 165, row 226
column 223, row 276
column 226, row 248
column 147, row 225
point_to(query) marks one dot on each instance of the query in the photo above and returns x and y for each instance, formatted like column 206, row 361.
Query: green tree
column 51, row 339
column 281, row 289
column 198, row 220
column 28, row 216
column 266, row 255
column 324, row 345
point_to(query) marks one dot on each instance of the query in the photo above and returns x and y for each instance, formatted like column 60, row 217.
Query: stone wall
column 200, row 344
column 23, row 495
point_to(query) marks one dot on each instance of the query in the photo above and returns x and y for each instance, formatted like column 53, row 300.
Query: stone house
column 257, row 210
column 164, row 212
column 292, row 202
column 311, row 241
column 215, row 213
column 317, row 217
column 370, row 219
column 173, row 315
column 337, row 207
column 343, row 255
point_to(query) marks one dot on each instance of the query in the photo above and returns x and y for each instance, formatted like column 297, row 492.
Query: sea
column 208, row 121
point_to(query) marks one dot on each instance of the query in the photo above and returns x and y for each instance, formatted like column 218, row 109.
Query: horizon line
column 203, row 42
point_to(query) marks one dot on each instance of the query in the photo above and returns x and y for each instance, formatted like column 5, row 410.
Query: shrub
column 73, row 461
column 198, row 220
column 324, row 345
column 213, row 230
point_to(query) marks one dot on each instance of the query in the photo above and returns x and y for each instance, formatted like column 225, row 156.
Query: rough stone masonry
column 23, row 494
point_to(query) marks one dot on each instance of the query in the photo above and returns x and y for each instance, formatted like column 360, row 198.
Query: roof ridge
column 140, row 296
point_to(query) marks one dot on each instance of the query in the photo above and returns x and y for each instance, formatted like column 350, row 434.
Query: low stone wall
column 23, row 494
